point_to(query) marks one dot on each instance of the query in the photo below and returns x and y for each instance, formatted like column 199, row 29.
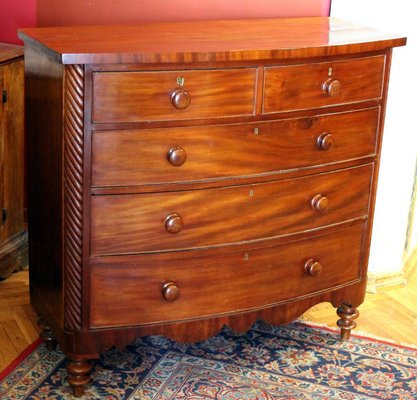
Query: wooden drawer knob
column 313, row 267
column 320, row 203
column 173, row 223
column 180, row 99
column 176, row 156
column 325, row 141
column 170, row 291
column 332, row 87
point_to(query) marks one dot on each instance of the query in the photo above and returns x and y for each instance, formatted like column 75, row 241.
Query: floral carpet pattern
column 295, row 361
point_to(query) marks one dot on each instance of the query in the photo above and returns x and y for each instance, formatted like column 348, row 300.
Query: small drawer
column 189, row 154
column 135, row 223
column 185, row 285
column 173, row 95
column 306, row 86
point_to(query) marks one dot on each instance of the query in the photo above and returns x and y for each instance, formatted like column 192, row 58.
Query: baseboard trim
column 377, row 282
column 410, row 263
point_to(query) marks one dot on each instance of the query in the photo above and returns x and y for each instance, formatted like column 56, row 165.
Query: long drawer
column 173, row 95
column 306, row 86
column 135, row 223
column 172, row 155
column 186, row 285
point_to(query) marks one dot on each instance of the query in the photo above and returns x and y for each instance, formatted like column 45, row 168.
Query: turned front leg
column 346, row 323
column 78, row 369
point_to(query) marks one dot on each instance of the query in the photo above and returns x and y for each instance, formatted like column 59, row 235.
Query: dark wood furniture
column 190, row 175
column 13, row 236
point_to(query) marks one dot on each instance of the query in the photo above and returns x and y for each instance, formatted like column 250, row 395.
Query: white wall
column 399, row 149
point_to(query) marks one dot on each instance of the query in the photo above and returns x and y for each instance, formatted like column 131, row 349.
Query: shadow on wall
column 25, row 13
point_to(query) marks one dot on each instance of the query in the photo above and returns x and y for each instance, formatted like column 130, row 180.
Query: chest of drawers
column 186, row 176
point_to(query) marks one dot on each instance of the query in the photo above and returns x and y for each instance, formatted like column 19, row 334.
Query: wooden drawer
column 323, row 84
column 173, row 155
column 229, row 282
column 211, row 217
column 163, row 95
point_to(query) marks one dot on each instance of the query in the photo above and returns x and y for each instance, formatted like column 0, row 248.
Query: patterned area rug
column 288, row 362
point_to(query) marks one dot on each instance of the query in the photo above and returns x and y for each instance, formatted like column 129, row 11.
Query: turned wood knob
column 173, row 223
column 176, row 156
column 325, row 141
column 313, row 267
column 332, row 87
column 320, row 203
column 180, row 99
column 170, row 291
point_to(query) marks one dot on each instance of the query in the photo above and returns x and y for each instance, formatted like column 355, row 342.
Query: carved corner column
column 346, row 323
column 78, row 366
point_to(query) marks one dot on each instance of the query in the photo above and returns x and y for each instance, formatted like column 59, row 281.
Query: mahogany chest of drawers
column 186, row 176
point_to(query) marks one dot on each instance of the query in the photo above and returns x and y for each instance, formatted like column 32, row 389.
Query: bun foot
column 78, row 375
column 47, row 336
column 346, row 323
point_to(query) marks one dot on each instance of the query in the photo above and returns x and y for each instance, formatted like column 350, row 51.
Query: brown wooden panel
column 301, row 86
column 13, row 238
column 146, row 96
column 12, row 139
column 10, row 51
column 137, row 223
column 228, row 282
column 137, row 157
column 44, row 101
column 208, row 41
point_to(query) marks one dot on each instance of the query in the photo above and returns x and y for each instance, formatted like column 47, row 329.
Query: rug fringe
column 356, row 333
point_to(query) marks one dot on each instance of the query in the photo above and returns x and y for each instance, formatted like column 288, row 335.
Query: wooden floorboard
column 18, row 326
column 391, row 314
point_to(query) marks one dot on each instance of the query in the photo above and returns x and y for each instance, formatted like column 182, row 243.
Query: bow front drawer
column 135, row 223
column 173, row 95
column 305, row 86
column 177, row 286
column 172, row 155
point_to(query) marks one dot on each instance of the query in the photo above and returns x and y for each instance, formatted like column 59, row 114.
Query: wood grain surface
column 301, row 87
column 138, row 157
column 12, row 147
column 145, row 96
column 136, row 223
column 208, row 41
column 229, row 282
column 10, row 51
column 13, row 236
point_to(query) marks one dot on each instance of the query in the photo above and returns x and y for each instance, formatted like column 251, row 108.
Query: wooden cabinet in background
column 13, row 237
column 186, row 176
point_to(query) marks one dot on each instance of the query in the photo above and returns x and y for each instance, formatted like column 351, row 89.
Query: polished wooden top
column 10, row 51
column 208, row 41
